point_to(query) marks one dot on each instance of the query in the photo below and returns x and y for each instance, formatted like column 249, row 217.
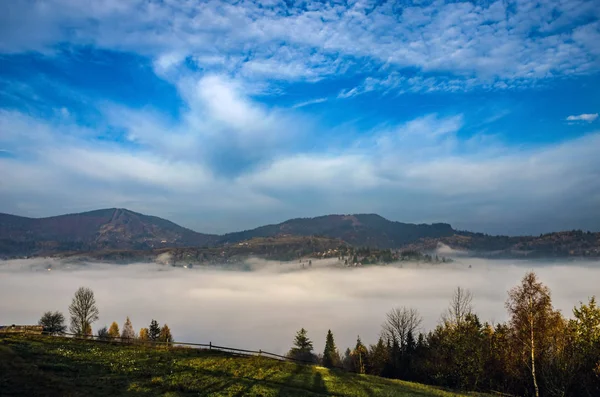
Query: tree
column 165, row 334
column 83, row 311
column 128, row 333
column 331, row 356
column 143, row 334
column 359, row 357
column 154, row 331
column 460, row 306
column 532, row 318
column 53, row 323
column 113, row 331
column 303, row 347
column 347, row 361
column 378, row 358
column 399, row 322
column 103, row 333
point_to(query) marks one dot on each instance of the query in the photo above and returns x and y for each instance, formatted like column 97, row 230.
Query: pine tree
column 103, row 333
column 154, row 331
column 378, row 357
column 113, row 331
column 331, row 357
column 128, row 333
column 165, row 334
column 303, row 347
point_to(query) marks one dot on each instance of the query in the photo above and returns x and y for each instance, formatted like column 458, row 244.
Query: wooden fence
column 209, row 346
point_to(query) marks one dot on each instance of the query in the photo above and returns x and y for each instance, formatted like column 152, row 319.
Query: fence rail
column 209, row 346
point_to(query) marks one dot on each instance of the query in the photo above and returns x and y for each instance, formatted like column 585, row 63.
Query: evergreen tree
column 128, row 333
column 303, row 347
column 113, row 331
column 154, row 331
column 103, row 333
column 165, row 334
column 378, row 357
column 347, row 361
column 331, row 357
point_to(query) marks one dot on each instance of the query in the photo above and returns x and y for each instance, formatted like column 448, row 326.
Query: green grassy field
column 48, row 366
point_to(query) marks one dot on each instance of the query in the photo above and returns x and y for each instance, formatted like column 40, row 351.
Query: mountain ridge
column 123, row 229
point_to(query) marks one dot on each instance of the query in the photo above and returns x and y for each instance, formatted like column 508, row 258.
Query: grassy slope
column 37, row 365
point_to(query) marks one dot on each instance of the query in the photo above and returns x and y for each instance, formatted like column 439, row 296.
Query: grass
column 42, row 365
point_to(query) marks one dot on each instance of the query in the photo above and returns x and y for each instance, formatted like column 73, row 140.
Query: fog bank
column 263, row 308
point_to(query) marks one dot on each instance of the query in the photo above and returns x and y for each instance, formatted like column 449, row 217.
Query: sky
column 223, row 116
column 264, row 308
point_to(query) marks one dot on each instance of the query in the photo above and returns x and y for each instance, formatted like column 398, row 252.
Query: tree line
column 538, row 352
column 84, row 312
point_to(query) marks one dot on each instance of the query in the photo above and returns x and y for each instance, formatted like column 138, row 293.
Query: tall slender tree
column 331, row 356
column 83, row 311
column 532, row 318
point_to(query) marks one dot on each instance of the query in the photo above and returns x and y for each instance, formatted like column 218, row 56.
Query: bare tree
column 83, row 311
column 400, row 322
column 459, row 308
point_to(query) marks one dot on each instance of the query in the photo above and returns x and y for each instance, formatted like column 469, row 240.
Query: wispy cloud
column 310, row 102
column 487, row 44
column 589, row 117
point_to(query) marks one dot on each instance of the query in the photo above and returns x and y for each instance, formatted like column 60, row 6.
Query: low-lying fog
column 263, row 308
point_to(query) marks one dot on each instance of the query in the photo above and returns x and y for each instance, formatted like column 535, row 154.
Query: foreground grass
column 49, row 366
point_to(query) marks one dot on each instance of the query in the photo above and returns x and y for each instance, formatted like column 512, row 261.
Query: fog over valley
column 263, row 307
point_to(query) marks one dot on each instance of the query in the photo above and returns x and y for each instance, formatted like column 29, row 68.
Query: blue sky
column 227, row 115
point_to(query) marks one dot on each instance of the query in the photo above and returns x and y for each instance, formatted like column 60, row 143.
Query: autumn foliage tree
column 533, row 321
column 113, row 331
column 165, row 334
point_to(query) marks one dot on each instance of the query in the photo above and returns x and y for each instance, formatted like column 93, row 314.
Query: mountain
column 369, row 230
column 95, row 230
column 121, row 230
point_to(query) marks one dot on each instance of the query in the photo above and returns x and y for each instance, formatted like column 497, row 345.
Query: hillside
column 280, row 248
column 50, row 366
column 575, row 243
column 120, row 232
column 369, row 230
column 91, row 231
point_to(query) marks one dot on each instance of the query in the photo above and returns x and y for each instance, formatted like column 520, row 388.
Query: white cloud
column 467, row 44
column 589, row 117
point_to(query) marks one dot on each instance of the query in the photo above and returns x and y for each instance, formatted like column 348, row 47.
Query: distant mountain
column 369, row 230
column 123, row 230
column 91, row 231
column 574, row 243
